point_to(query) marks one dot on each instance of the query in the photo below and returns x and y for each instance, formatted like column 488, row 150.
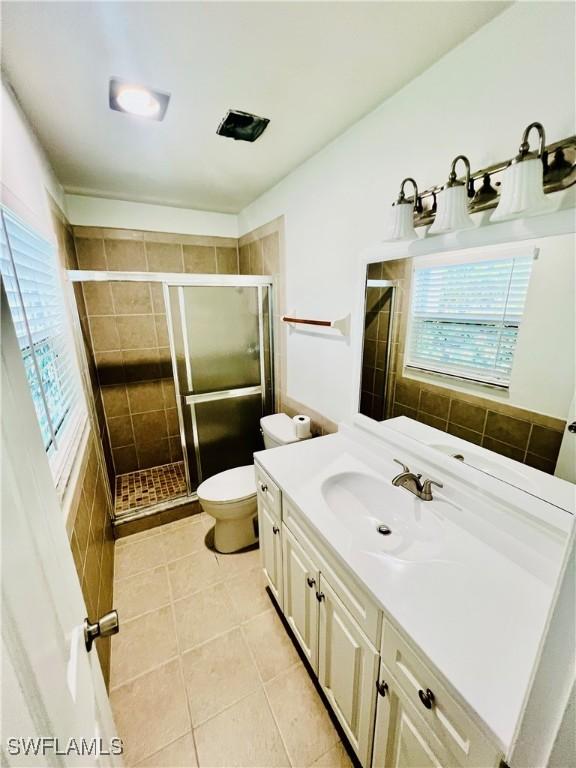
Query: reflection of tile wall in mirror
column 526, row 436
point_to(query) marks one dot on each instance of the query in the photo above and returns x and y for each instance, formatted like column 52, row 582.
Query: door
column 348, row 668
column 271, row 551
column 51, row 686
column 402, row 739
column 301, row 606
column 222, row 362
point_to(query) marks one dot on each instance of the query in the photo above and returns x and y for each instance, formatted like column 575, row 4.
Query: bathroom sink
column 383, row 519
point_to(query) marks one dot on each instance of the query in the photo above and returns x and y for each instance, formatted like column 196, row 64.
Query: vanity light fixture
column 401, row 222
column 137, row 99
column 452, row 213
column 523, row 182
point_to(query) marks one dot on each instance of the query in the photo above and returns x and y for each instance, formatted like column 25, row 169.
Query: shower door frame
column 178, row 279
column 215, row 281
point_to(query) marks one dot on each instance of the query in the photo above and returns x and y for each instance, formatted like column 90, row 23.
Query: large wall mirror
column 479, row 344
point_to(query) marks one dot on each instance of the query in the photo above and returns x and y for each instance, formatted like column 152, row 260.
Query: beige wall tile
column 465, row 434
column 115, row 400
column 172, row 422
column 507, row 430
column 244, row 260
column 120, row 431
column 467, row 415
column 162, row 331
column 136, row 332
column 141, row 364
column 270, row 644
column 216, row 675
column 125, row 255
column 434, row 404
column 227, row 261
column 131, row 298
column 157, row 294
column 90, row 254
column 545, row 442
column 222, row 741
column 306, row 738
column 143, row 644
column 104, row 333
column 164, row 257
column 503, row 448
column 98, row 298
column 110, row 367
column 151, row 712
column 256, row 263
column 125, row 459
column 199, row 259
column 146, row 396
column 149, row 426
column 153, row 454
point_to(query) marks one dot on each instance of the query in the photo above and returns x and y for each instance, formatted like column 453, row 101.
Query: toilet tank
column 278, row 429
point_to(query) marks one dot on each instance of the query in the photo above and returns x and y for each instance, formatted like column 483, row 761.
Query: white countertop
column 477, row 609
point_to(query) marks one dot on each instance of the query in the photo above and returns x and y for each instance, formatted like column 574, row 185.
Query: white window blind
column 465, row 317
column 29, row 269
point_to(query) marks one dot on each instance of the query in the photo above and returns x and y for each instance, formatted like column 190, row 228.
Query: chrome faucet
column 413, row 483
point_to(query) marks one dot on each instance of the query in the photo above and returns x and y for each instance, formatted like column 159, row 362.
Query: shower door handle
column 223, row 394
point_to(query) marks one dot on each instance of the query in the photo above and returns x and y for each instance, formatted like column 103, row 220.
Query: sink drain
column 384, row 530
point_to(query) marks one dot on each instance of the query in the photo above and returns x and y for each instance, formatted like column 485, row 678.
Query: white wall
column 476, row 100
column 26, row 174
column 101, row 212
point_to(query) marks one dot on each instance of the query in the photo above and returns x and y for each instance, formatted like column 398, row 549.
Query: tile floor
column 146, row 487
column 203, row 672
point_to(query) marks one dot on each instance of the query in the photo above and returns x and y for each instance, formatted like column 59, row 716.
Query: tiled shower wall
column 129, row 335
column 526, row 436
column 89, row 524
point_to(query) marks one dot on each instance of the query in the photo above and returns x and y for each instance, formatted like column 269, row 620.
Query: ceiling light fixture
column 137, row 100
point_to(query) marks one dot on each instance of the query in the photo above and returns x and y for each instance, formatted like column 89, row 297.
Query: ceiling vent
column 242, row 126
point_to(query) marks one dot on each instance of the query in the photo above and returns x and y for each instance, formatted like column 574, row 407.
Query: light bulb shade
column 452, row 210
column 401, row 223
column 522, row 191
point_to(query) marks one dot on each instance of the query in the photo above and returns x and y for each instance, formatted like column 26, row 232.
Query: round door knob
column 426, row 697
column 310, row 581
column 275, row 529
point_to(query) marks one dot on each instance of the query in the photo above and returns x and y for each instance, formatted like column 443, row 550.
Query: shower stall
column 192, row 405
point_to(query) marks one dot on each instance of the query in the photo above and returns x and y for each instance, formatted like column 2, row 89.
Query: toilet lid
column 232, row 485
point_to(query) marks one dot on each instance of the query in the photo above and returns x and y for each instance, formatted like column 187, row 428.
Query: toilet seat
column 229, row 487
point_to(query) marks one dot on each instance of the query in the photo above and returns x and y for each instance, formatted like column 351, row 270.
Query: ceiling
column 313, row 68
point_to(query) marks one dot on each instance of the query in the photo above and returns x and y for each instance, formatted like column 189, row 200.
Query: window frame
column 488, row 253
column 62, row 451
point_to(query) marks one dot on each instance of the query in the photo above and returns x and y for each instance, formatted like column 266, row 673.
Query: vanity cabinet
column 395, row 710
column 347, row 670
column 301, row 591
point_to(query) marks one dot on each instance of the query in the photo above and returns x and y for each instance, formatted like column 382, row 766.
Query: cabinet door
column 301, row 607
column 348, row 669
column 271, row 551
column 402, row 739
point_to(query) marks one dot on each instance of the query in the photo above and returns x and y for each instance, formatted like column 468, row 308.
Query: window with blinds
column 29, row 268
column 465, row 318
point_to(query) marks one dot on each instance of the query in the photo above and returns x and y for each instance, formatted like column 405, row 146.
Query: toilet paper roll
column 302, row 426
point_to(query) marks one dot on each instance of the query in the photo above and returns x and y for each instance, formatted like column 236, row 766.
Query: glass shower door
column 221, row 334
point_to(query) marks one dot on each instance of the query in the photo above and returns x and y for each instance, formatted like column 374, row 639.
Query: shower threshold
column 147, row 489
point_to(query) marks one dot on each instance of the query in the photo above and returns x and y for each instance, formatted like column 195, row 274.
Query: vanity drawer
column 359, row 603
column 268, row 492
column 454, row 727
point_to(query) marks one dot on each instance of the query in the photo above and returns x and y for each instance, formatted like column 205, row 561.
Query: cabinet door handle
column 320, row 596
column 310, row 582
column 263, row 487
column 382, row 688
column 275, row 529
column 427, row 698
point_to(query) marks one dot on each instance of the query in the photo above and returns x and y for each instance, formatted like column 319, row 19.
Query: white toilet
column 230, row 497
